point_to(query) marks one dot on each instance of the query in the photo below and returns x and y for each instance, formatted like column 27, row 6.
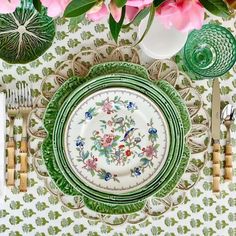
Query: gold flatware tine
column 12, row 110
column 26, row 104
column 216, row 135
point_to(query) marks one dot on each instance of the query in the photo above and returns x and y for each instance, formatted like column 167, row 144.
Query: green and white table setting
column 108, row 140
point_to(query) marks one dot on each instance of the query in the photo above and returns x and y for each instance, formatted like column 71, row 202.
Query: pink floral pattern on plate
column 113, row 143
column 120, row 145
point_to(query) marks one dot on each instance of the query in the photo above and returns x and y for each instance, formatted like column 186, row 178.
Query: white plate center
column 117, row 140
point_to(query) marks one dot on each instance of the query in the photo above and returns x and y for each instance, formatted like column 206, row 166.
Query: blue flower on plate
column 88, row 115
column 108, row 176
column 137, row 171
column 152, row 130
column 131, row 106
column 79, row 143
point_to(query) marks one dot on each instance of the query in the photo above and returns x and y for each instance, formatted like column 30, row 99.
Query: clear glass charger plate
column 198, row 137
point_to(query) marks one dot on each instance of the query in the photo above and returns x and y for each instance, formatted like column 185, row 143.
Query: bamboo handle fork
column 12, row 110
column 25, row 106
column 19, row 102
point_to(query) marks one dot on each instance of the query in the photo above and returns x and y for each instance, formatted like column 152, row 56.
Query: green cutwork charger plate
column 129, row 82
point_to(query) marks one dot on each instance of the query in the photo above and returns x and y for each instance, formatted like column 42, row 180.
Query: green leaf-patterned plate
column 25, row 34
column 112, row 81
column 65, row 186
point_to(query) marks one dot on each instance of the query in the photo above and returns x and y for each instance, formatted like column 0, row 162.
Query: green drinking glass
column 210, row 52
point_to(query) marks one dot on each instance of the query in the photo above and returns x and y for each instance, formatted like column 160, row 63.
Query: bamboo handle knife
column 215, row 129
column 216, row 168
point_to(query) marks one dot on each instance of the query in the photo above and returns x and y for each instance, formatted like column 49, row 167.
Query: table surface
column 37, row 212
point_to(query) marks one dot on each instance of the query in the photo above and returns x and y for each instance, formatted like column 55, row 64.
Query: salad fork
column 25, row 106
column 12, row 110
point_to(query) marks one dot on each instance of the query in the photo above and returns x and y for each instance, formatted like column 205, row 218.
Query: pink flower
column 7, row 6
column 97, row 12
column 149, row 151
column 107, row 140
column 131, row 12
column 107, row 107
column 91, row 164
column 184, row 15
column 132, row 8
column 138, row 3
column 55, row 7
column 115, row 11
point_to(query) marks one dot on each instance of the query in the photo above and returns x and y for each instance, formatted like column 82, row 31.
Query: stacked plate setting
column 116, row 138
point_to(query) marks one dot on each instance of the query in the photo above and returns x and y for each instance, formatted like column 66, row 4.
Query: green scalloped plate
column 55, row 167
column 171, row 114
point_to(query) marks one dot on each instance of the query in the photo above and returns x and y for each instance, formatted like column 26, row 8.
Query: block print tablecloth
column 37, row 212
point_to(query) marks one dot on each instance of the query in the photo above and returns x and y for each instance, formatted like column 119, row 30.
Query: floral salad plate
column 118, row 149
column 116, row 138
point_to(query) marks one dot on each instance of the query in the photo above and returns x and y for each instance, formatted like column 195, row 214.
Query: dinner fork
column 25, row 106
column 12, row 110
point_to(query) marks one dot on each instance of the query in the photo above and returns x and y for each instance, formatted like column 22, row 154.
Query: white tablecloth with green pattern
column 37, row 212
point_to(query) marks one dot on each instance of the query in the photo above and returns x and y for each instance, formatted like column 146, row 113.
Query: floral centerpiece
column 184, row 15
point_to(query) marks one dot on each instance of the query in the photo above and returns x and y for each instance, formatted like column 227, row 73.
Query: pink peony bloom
column 132, row 8
column 55, row 7
column 149, row 151
column 184, row 15
column 107, row 107
column 138, row 3
column 107, row 140
column 8, row 6
column 97, row 12
column 115, row 11
column 131, row 12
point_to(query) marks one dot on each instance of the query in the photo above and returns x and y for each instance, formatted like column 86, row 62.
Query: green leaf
column 37, row 5
column 115, row 27
column 120, row 3
column 139, row 17
column 157, row 3
column 216, row 7
column 117, row 138
column 149, row 23
column 78, row 7
column 144, row 161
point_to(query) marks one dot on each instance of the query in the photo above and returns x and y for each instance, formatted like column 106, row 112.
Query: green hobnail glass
column 210, row 52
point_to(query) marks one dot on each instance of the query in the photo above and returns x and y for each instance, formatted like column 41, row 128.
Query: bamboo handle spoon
column 228, row 117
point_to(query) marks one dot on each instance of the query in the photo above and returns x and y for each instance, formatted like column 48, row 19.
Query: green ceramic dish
column 25, row 34
column 50, row 117
column 175, row 150
column 90, row 88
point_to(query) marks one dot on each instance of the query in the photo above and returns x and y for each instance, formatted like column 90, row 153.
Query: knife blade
column 215, row 129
